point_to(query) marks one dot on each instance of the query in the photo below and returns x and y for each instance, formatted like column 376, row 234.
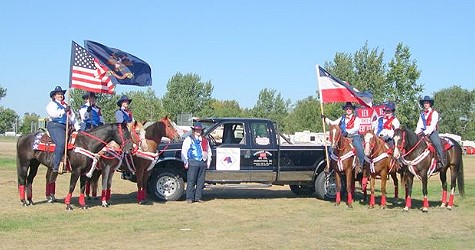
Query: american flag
column 87, row 73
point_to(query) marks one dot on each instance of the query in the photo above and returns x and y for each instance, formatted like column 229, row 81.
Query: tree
column 146, row 106
column 226, row 108
column 454, row 105
column 29, row 123
column 8, row 120
column 403, row 87
column 3, row 92
column 187, row 94
column 272, row 106
column 305, row 116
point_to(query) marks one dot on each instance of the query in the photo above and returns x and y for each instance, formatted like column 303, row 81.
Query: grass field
column 249, row 217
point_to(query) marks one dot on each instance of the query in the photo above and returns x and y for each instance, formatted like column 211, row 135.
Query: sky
column 241, row 47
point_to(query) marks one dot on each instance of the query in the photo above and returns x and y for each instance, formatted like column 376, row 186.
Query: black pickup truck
column 246, row 150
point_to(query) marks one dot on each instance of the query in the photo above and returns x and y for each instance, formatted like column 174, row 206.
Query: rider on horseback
column 91, row 116
column 59, row 113
column 427, row 126
column 385, row 125
column 350, row 126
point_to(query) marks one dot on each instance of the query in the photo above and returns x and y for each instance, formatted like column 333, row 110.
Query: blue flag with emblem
column 124, row 68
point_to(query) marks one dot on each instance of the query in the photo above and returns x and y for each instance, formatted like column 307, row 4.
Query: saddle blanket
column 44, row 143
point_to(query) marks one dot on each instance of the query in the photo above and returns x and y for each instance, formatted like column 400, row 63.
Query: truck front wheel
column 167, row 185
column 325, row 186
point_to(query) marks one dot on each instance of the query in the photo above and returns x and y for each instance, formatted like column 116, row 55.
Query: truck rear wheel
column 325, row 186
column 167, row 185
column 302, row 189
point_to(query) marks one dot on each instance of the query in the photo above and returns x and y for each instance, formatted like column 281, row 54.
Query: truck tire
column 302, row 190
column 325, row 187
column 167, row 185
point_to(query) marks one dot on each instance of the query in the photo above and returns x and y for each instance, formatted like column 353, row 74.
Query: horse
column 343, row 162
column 381, row 163
column 142, row 161
column 86, row 145
column 418, row 156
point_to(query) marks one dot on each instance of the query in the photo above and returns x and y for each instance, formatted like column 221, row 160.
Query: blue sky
column 242, row 47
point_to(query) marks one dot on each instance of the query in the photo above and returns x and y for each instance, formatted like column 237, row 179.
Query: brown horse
column 381, row 163
column 343, row 162
column 142, row 160
column 418, row 156
column 29, row 158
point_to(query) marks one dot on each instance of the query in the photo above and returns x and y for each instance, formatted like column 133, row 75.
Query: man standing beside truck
column 196, row 156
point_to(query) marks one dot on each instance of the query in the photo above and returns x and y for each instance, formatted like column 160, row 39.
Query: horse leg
column 396, row 186
column 105, row 180
column 109, row 186
column 409, row 178
column 425, row 202
column 443, row 180
column 372, row 191
column 384, row 178
column 51, row 186
column 453, row 183
column 364, row 185
column 82, row 187
column 34, row 164
column 350, row 184
column 72, row 184
column 338, row 188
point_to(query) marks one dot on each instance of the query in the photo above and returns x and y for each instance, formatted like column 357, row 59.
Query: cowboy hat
column 123, row 98
column 349, row 105
column 426, row 99
column 88, row 94
column 390, row 106
column 56, row 90
column 197, row 126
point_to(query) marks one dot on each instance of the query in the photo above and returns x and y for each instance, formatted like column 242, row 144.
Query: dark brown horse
column 142, row 161
column 419, row 159
column 343, row 162
column 29, row 159
column 381, row 163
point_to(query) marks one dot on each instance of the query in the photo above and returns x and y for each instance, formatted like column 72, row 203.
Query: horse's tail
column 458, row 154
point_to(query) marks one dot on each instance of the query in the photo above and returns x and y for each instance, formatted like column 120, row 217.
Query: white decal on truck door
column 228, row 158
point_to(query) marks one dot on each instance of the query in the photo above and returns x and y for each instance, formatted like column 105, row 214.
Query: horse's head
column 334, row 136
column 400, row 142
column 171, row 131
column 123, row 137
column 369, row 142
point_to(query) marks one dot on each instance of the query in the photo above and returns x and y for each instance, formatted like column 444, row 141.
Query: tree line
column 365, row 69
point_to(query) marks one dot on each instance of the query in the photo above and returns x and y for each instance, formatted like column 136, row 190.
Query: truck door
column 263, row 152
column 231, row 160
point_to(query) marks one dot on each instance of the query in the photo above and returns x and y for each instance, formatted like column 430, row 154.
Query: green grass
column 232, row 219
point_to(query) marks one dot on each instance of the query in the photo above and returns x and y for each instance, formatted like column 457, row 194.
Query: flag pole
column 327, row 168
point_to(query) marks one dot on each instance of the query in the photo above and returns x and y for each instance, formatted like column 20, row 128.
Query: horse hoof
column 350, row 206
column 105, row 204
column 69, row 207
column 443, row 205
column 449, row 207
column 405, row 209
column 144, row 202
column 337, row 204
column 84, row 207
column 425, row 209
column 370, row 207
column 382, row 207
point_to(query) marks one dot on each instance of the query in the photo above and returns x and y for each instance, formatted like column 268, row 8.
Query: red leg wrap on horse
column 67, row 200
column 338, row 197
column 108, row 194
column 383, row 200
column 104, row 195
column 425, row 202
column 451, row 200
column 444, row 197
column 48, row 191
column 364, row 182
column 21, row 190
column 350, row 199
column 371, row 200
column 52, row 188
column 82, row 201
column 408, row 202
column 88, row 188
column 29, row 192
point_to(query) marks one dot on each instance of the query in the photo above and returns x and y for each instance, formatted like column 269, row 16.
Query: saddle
column 446, row 144
column 44, row 143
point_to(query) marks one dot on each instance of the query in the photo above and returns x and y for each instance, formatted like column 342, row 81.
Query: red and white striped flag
column 87, row 73
column 333, row 89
